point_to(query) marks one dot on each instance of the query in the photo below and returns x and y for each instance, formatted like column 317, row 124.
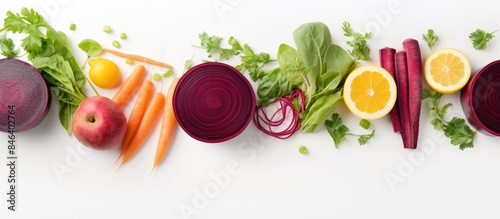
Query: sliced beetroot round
column 213, row 102
column 481, row 99
column 24, row 95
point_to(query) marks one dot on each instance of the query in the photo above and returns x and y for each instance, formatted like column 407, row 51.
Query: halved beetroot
column 23, row 88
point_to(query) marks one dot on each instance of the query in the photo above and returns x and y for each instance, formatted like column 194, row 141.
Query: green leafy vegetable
column 50, row 52
column 360, row 49
column 459, row 133
column 480, row 37
column 273, row 85
column 338, row 131
column 430, row 38
column 8, row 48
column 91, row 47
column 365, row 124
column 250, row 61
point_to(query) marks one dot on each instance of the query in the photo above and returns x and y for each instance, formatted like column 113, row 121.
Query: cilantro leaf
column 336, row 129
column 360, row 49
column 480, row 38
column 456, row 130
column 363, row 139
column 8, row 48
column 460, row 133
column 430, row 38
column 251, row 62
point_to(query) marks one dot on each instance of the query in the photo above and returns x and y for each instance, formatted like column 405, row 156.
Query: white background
column 272, row 180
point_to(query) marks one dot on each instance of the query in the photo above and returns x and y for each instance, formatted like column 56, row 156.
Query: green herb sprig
column 250, row 61
column 8, row 48
column 360, row 49
column 430, row 38
column 459, row 133
column 480, row 38
column 339, row 132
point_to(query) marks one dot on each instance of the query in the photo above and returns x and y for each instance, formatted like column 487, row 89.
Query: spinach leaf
column 312, row 41
column 292, row 67
column 273, row 85
column 338, row 59
column 319, row 110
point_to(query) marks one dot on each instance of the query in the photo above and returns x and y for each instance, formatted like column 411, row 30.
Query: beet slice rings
column 481, row 99
column 213, row 102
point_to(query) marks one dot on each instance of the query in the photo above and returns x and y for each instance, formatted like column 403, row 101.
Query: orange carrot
column 129, row 86
column 168, row 124
column 138, row 58
column 137, row 114
column 147, row 124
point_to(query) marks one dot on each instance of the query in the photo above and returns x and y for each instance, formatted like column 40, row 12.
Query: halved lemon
column 447, row 70
column 370, row 92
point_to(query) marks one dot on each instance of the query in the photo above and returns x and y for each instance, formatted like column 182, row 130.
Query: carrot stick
column 387, row 59
column 414, row 60
column 129, row 86
column 404, row 105
column 138, row 58
column 168, row 124
column 137, row 114
column 147, row 124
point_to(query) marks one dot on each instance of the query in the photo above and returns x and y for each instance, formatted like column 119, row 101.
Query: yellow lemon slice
column 447, row 70
column 370, row 92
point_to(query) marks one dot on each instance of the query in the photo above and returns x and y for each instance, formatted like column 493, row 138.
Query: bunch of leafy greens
column 317, row 67
column 49, row 51
column 459, row 133
column 339, row 132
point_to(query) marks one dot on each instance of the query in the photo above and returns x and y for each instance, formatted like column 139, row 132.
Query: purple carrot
column 387, row 56
column 402, row 84
column 414, row 61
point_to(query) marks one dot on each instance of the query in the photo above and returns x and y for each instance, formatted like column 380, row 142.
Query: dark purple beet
column 213, row 102
column 23, row 87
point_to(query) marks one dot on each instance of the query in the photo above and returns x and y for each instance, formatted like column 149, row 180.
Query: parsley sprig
column 360, row 49
column 459, row 133
column 8, row 48
column 430, row 38
column 339, row 132
column 250, row 61
column 480, row 38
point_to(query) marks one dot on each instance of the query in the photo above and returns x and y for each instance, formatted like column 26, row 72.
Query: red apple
column 98, row 123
